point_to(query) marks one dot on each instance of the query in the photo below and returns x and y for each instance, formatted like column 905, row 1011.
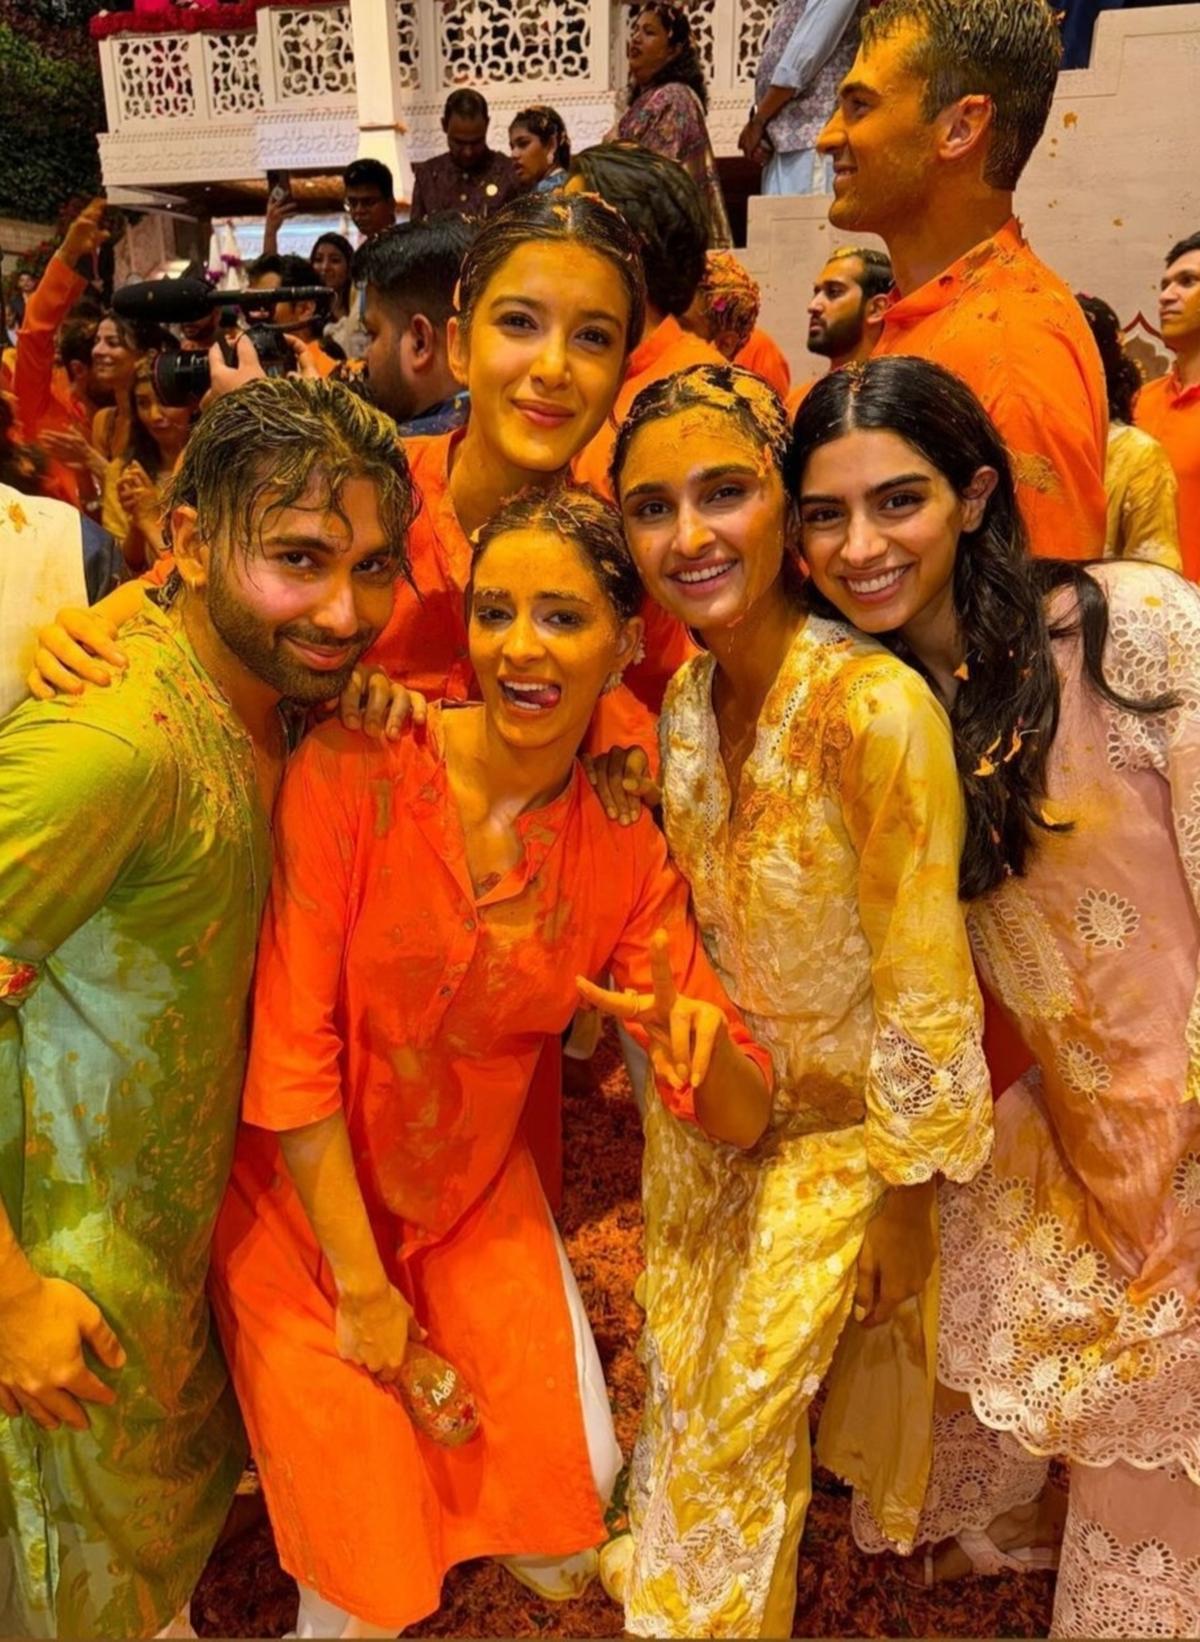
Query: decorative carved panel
column 754, row 24
column 314, row 54
column 408, row 43
column 231, row 71
column 154, row 78
column 497, row 42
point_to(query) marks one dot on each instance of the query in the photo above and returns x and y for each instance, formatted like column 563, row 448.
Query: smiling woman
column 551, row 303
column 809, row 797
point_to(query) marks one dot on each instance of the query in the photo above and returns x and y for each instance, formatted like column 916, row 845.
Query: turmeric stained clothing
column 42, row 389
column 134, row 860
column 1005, row 323
column 826, row 886
column 763, row 355
column 389, row 987
column 1143, row 494
column 1171, row 413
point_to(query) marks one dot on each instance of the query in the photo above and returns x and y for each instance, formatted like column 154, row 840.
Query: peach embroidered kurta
column 1071, row 1267
column 389, row 987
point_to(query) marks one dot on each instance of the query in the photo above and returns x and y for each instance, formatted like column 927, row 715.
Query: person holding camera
column 303, row 320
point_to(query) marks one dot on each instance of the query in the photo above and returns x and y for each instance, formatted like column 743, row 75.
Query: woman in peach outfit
column 1071, row 1265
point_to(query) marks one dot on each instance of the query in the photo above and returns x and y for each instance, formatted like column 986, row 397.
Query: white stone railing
column 246, row 91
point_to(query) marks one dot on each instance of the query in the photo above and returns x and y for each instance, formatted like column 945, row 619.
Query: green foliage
column 51, row 106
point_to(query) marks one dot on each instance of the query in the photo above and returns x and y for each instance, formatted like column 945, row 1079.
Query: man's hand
column 623, row 783
column 85, row 235
column 228, row 378
column 44, row 1325
column 378, row 705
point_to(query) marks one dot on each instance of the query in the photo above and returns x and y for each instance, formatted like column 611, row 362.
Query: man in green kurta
column 134, row 857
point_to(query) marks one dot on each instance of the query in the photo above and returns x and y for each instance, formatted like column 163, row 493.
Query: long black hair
column 1121, row 375
column 1005, row 713
column 685, row 68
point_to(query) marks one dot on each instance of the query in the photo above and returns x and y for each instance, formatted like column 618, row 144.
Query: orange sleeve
column 1060, row 485
column 591, row 465
column 294, row 1074
column 47, row 307
column 621, row 720
column 664, row 902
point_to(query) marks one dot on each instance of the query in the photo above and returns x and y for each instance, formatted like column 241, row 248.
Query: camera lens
column 181, row 378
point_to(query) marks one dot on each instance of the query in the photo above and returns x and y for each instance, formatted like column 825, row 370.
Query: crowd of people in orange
column 523, row 650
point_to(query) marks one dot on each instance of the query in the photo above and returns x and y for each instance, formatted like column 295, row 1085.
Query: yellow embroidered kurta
column 1143, row 521
column 828, row 902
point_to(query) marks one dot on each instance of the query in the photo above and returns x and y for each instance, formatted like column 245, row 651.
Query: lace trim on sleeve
column 929, row 1115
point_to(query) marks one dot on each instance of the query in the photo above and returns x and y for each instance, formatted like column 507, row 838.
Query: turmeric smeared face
column 880, row 526
column 881, row 144
column 543, row 637
column 545, row 353
column 705, row 516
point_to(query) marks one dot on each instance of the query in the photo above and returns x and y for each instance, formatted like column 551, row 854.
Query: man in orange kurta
column 936, row 120
column 1169, row 408
column 390, row 988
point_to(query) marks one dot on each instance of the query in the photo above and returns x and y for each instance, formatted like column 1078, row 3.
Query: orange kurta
column 1171, row 413
column 42, row 389
column 389, row 988
column 1008, row 326
column 763, row 355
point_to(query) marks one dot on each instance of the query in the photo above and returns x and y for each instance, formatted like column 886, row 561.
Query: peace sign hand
column 683, row 1032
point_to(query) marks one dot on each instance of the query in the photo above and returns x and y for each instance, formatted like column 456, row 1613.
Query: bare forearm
column 733, row 1103
column 777, row 97
column 320, row 1162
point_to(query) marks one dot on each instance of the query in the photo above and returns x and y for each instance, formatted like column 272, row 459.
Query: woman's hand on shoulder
column 380, row 706
column 623, row 783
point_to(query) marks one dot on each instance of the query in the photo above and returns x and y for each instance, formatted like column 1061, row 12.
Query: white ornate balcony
column 220, row 106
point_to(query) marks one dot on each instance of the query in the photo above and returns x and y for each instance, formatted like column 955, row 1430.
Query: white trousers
column 318, row 1618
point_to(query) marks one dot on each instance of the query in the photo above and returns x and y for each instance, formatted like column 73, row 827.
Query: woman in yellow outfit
column 811, row 799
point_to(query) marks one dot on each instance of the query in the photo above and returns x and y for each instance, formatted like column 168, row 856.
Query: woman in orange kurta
column 436, row 899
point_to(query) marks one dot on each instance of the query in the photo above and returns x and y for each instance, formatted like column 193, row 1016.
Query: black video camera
column 184, row 378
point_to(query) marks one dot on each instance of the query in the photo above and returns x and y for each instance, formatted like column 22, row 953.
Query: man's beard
column 842, row 337
column 260, row 648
